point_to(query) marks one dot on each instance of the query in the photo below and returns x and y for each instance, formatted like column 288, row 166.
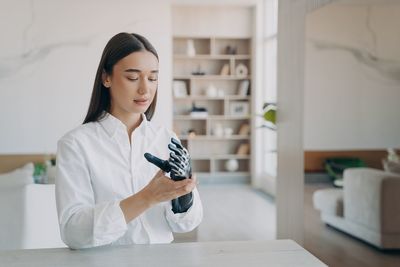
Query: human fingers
column 181, row 183
column 185, row 190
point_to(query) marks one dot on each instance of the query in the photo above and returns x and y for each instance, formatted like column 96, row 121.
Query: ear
column 106, row 79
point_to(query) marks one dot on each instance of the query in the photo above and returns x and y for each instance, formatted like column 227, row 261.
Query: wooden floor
column 238, row 212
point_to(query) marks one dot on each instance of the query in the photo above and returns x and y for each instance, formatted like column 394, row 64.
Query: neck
column 131, row 120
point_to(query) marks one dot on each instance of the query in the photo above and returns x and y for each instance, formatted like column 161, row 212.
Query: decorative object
column 40, row 173
column 190, row 49
column 392, row 162
column 243, row 149
column 335, row 167
column 198, row 71
column 392, row 155
column 211, row 90
column 198, row 112
column 230, row 50
column 232, row 165
column 228, row 132
column 239, row 108
column 191, row 133
column 243, row 89
column 179, row 89
column 51, row 171
column 241, row 70
column 218, row 130
column 224, row 70
column 244, row 129
column 269, row 115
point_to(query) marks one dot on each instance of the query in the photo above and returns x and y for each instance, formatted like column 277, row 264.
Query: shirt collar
column 111, row 124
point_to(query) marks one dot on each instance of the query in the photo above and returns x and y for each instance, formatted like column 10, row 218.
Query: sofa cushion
column 329, row 201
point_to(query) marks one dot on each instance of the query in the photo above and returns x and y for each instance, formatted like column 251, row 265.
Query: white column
column 290, row 83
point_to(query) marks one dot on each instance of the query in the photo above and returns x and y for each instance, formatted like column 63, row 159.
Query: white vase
column 211, row 91
column 218, row 130
column 228, row 132
column 231, row 165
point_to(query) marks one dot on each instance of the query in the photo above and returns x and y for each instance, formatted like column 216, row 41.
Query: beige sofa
column 368, row 206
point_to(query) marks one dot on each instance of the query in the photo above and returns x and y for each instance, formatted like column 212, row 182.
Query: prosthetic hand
column 180, row 167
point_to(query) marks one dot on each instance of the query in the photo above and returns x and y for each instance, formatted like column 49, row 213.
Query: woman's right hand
column 161, row 188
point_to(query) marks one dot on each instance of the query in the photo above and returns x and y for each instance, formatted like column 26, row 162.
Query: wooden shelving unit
column 219, row 133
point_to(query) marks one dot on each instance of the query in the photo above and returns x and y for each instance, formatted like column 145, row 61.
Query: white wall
column 221, row 21
column 49, row 52
column 352, row 81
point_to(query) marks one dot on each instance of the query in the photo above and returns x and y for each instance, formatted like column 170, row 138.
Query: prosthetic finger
column 177, row 143
column 177, row 158
column 162, row 164
column 176, row 150
column 183, row 151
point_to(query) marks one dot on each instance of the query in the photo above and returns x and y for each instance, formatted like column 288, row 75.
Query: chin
column 139, row 109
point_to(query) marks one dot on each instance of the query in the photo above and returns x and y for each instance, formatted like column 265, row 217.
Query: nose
column 144, row 87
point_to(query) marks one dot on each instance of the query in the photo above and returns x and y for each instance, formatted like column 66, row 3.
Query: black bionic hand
column 179, row 165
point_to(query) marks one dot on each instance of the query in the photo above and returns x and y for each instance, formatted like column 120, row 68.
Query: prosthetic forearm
column 179, row 166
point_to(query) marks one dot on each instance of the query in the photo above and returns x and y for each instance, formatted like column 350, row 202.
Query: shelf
column 199, row 174
column 211, row 137
column 210, row 77
column 231, row 156
column 200, row 158
column 229, row 117
column 221, row 157
column 212, row 57
column 225, row 174
column 228, row 97
column 231, row 173
column 212, row 117
column 188, row 117
column 179, row 36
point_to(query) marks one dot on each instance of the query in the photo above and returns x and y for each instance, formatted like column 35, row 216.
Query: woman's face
column 133, row 83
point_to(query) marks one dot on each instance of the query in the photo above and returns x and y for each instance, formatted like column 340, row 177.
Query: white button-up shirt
column 97, row 167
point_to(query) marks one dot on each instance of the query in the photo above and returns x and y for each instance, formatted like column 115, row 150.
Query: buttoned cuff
column 186, row 221
column 179, row 217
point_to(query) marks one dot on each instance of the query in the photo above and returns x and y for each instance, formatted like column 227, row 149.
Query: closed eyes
column 152, row 79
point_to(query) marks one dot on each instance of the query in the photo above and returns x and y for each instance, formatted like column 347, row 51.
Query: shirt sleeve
column 83, row 223
column 186, row 221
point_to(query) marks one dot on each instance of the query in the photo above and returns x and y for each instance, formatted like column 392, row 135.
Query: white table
column 231, row 253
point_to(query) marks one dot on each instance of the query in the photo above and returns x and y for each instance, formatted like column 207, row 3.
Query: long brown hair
column 117, row 48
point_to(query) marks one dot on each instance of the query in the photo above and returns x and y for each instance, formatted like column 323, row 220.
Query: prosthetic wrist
column 179, row 166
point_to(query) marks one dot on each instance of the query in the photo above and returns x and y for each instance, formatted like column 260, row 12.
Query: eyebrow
column 136, row 70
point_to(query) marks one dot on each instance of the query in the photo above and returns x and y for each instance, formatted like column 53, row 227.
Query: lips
column 141, row 101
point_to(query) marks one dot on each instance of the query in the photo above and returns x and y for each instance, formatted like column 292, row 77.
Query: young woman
column 106, row 191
